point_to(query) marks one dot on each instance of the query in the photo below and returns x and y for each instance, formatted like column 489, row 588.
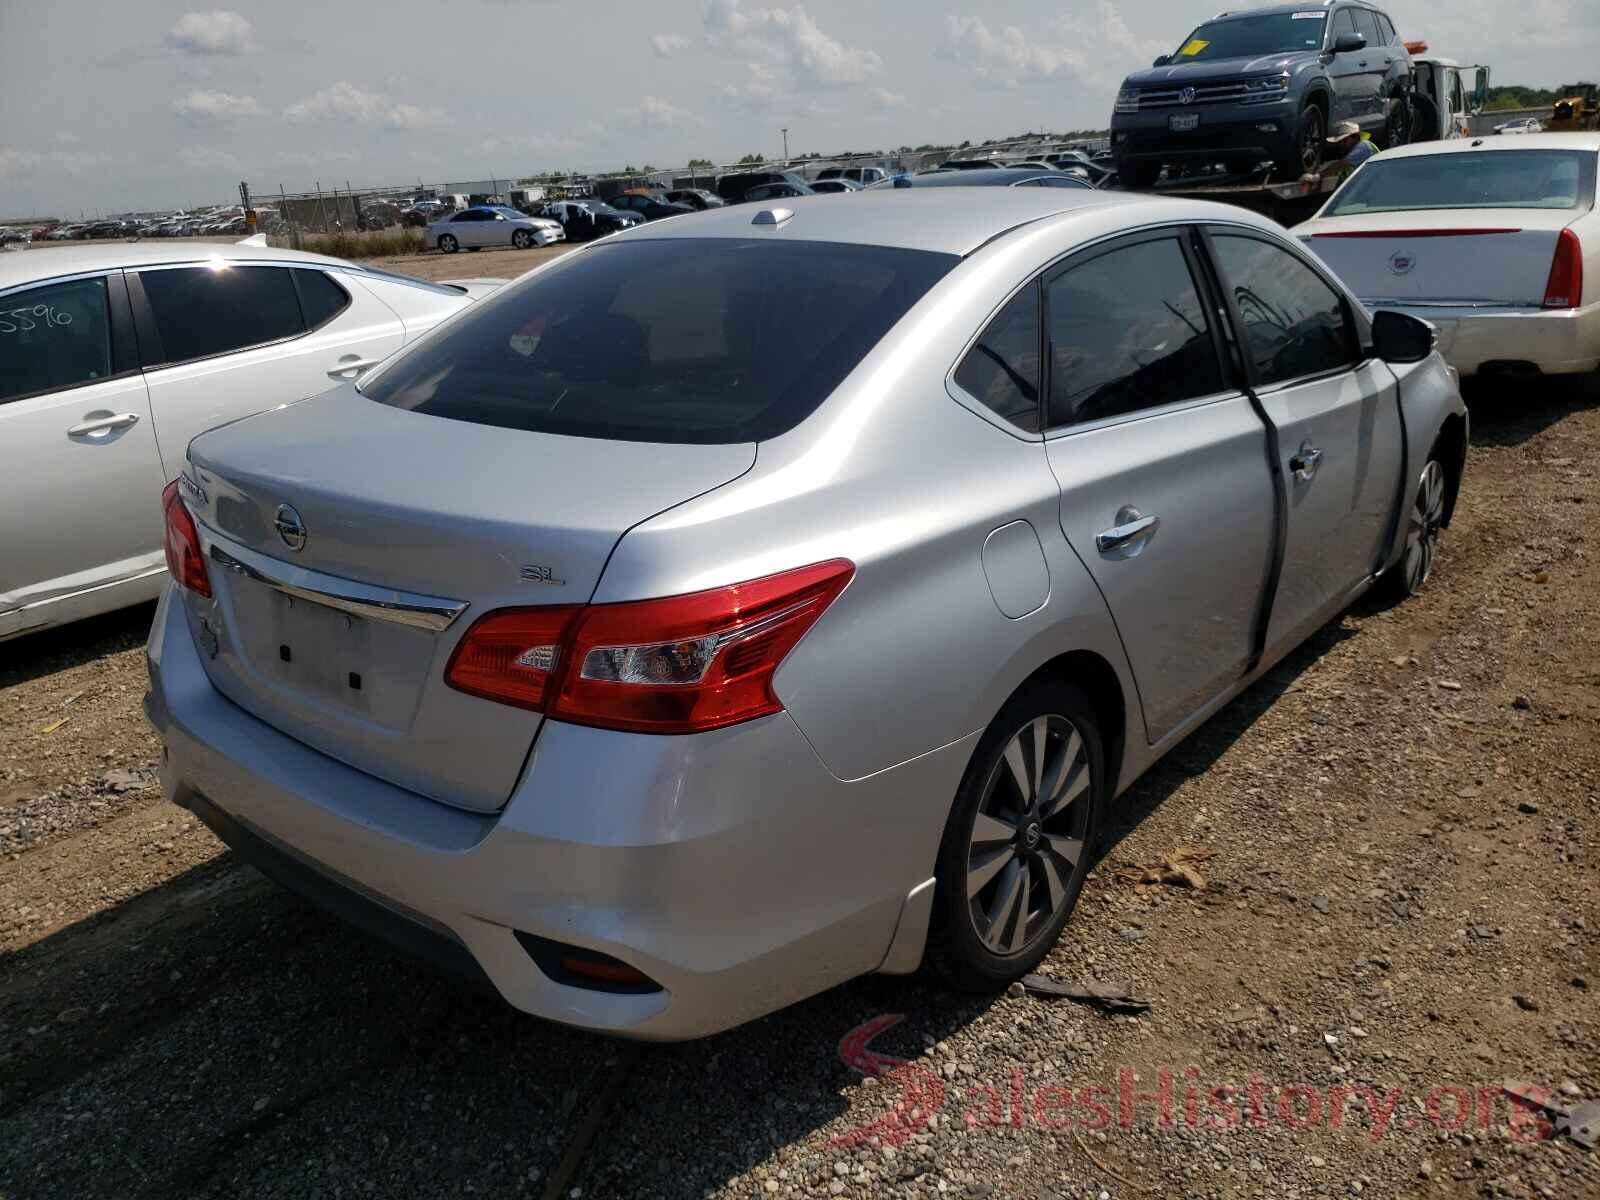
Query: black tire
column 956, row 946
column 448, row 243
column 1304, row 154
column 1420, row 523
column 1398, row 125
column 521, row 239
column 1137, row 174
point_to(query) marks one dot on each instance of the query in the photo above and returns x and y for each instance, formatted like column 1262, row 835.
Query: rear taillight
column 1565, row 289
column 185, row 562
column 680, row 664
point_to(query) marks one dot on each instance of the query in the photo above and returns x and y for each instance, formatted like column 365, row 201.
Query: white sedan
column 1526, row 125
column 114, row 355
column 1490, row 239
column 475, row 228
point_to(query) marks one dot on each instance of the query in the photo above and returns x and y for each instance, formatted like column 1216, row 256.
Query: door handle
column 349, row 370
column 1131, row 529
column 106, row 424
column 1305, row 461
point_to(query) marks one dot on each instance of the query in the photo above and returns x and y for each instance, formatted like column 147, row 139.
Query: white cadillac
column 113, row 356
column 1490, row 239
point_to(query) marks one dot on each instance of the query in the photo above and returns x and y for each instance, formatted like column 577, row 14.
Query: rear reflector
column 1412, row 233
column 185, row 563
column 576, row 966
column 1565, row 288
column 681, row 664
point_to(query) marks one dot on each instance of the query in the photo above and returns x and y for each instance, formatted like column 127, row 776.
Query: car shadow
column 217, row 1033
column 1509, row 412
column 62, row 646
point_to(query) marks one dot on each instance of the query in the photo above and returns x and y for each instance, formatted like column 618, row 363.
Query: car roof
column 941, row 220
column 1531, row 141
column 982, row 177
column 49, row 262
column 1268, row 10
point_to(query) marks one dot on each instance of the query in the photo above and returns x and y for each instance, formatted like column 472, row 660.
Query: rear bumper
column 730, row 867
column 1261, row 131
column 1558, row 342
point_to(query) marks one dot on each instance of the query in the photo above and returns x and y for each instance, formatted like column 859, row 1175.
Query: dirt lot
column 1400, row 896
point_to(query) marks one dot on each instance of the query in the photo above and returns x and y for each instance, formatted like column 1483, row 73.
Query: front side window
column 1001, row 371
column 1553, row 179
column 1367, row 26
column 1293, row 323
column 1343, row 23
column 1386, row 30
column 711, row 341
column 1127, row 331
column 203, row 311
column 53, row 337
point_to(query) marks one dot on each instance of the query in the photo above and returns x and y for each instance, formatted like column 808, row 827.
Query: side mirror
column 1401, row 338
column 1349, row 43
column 1162, row 61
column 1480, row 91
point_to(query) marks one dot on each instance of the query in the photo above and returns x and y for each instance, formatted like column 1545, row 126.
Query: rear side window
column 1294, row 323
column 53, row 337
column 1127, row 332
column 1002, row 368
column 204, row 311
column 321, row 299
column 677, row 340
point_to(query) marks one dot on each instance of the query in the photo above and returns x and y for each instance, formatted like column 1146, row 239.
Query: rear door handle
column 1131, row 529
column 1305, row 462
column 349, row 370
column 104, row 424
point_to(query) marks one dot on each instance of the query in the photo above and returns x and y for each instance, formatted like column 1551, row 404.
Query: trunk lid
column 407, row 519
column 1499, row 258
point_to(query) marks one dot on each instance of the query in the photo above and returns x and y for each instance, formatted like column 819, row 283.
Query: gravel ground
column 1388, row 883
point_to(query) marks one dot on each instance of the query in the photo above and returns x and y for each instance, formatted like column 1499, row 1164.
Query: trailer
column 1287, row 203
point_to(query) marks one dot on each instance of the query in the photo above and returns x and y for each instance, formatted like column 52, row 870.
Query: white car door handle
column 105, row 424
column 349, row 370
column 1131, row 528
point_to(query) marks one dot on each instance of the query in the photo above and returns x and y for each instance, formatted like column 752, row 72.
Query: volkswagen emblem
column 1402, row 262
column 1186, row 95
column 290, row 527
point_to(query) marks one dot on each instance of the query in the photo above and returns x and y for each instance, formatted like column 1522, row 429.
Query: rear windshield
column 679, row 340
column 1558, row 179
column 1253, row 37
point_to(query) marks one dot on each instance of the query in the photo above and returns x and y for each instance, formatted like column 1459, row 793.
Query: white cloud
column 218, row 32
column 1007, row 58
column 883, row 99
column 539, row 143
column 665, row 45
column 789, row 37
column 204, row 107
column 346, row 102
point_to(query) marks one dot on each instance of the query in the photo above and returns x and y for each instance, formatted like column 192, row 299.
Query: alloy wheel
column 1311, row 138
column 1423, row 525
column 1028, row 839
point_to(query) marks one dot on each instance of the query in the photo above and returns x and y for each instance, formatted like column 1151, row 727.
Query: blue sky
column 147, row 104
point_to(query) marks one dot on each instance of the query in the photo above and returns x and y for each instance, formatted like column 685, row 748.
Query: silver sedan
column 774, row 595
column 475, row 228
